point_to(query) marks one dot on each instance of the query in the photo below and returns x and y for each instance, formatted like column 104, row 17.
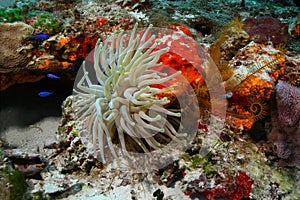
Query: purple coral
column 282, row 149
column 287, row 106
column 286, row 124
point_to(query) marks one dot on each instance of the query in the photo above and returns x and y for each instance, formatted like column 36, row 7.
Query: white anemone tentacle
column 122, row 102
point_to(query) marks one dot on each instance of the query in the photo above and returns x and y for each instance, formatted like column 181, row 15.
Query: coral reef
column 235, row 168
column 249, row 71
column 230, row 39
column 124, row 100
column 65, row 38
column 79, row 35
column 46, row 23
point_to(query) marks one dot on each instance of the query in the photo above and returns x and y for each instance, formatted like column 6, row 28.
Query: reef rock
column 264, row 29
column 292, row 70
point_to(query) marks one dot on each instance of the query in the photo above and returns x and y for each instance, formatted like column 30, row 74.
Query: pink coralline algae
column 285, row 133
column 243, row 188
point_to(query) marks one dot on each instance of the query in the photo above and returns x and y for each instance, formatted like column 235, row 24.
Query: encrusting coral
column 122, row 105
column 285, row 133
column 287, row 106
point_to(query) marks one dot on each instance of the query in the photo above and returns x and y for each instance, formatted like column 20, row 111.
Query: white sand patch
column 34, row 137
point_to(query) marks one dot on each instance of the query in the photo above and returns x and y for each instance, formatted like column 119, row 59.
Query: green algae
column 14, row 183
column 197, row 161
column 46, row 23
column 11, row 14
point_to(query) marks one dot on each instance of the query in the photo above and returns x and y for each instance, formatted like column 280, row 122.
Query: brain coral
column 10, row 43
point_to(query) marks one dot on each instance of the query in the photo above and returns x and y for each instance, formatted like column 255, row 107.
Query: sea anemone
column 117, row 102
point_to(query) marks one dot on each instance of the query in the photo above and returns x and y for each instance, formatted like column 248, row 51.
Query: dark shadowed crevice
column 21, row 106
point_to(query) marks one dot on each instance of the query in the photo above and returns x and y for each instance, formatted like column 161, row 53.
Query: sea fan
column 120, row 105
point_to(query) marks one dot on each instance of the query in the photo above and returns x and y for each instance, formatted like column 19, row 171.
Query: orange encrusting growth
column 63, row 41
column 296, row 30
column 53, row 65
column 240, row 117
column 255, row 87
column 45, row 64
column 182, row 56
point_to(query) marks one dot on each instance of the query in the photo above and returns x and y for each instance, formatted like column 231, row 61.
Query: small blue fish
column 53, row 76
column 44, row 94
column 40, row 36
